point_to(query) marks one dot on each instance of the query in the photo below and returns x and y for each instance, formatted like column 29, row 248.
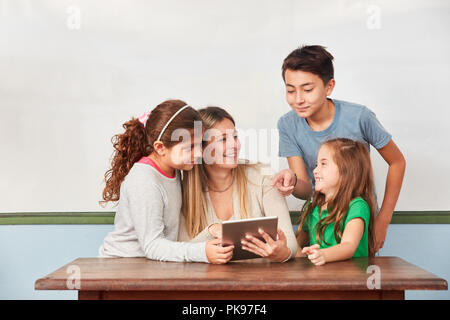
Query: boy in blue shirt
column 308, row 74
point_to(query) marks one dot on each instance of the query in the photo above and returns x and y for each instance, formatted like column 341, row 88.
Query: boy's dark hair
column 314, row 59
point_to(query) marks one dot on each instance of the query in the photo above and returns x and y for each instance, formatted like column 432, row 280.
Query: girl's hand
column 215, row 230
column 314, row 254
column 284, row 181
column 217, row 254
column 274, row 250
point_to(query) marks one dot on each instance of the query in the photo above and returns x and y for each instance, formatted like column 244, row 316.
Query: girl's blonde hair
column 355, row 180
column 195, row 181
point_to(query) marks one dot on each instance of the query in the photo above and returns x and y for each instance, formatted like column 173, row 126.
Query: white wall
column 68, row 82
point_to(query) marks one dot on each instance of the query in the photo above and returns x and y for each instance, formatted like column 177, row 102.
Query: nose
column 237, row 145
column 299, row 97
column 197, row 153
column 315, row 171
column 232, row 144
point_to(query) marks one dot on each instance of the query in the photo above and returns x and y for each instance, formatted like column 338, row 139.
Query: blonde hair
column 194, row 207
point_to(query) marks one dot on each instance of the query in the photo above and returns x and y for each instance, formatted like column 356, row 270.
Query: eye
column 290, row 91
column 309, row 90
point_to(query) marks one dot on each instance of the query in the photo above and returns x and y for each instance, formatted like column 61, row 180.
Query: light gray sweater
column 147, row 220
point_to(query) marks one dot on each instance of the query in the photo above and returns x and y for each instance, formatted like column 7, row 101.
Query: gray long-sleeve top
column 147, row 220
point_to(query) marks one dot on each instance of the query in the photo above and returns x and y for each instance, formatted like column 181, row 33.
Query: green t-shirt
column 358, row 208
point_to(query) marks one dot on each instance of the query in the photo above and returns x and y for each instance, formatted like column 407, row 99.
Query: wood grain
column 257, row 275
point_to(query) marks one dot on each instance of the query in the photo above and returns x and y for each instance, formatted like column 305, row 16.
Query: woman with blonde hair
column 223, row 188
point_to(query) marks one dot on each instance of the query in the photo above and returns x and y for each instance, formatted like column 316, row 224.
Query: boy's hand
column 217, row 254
column 284, row 181
column 380, row 230
column 314, row 254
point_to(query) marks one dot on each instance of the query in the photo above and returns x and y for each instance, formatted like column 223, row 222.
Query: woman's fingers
column 255, row 241
column 257, row 252
column 281, row 235
column 255, row 249
column 249, row 249
column 266, row 237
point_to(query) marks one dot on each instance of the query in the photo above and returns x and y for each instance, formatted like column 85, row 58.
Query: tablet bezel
column 235, row 230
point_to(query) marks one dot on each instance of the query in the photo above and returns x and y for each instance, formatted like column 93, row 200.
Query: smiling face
column 306, row 92
column 185, row 154
column 223, row 148
column 326, row 173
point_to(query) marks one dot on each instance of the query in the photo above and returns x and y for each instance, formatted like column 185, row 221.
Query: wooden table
column 256, row 279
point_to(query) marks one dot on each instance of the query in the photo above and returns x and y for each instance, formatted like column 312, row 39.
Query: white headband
column 170, row 120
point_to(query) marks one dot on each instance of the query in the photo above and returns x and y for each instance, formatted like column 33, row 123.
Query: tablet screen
column 235, row 230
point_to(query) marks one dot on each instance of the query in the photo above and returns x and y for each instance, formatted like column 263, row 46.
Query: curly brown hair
column 137, row 141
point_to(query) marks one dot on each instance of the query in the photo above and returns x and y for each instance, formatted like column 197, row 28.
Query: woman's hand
column 314, row 254
column 275, row 250
column 215, row 230
column 285, row 181
column 217, row 254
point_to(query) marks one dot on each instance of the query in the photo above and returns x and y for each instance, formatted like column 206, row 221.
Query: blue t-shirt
column 352, row 121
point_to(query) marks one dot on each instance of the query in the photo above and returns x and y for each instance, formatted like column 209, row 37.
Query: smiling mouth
column 318, row 179
column 302, row 109
column 230, row 155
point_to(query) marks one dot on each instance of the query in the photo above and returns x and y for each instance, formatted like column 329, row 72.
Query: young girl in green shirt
column 337, row 223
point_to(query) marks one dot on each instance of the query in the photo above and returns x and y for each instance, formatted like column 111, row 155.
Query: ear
column 330, row 86
column 159, row 148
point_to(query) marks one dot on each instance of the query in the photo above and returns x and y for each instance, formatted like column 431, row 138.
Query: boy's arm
column 353, row 233
column 303, row 241
column 397, row 164
column 285, row 179
column 302, row 189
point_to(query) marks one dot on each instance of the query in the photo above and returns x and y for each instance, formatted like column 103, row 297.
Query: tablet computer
column 234, row 231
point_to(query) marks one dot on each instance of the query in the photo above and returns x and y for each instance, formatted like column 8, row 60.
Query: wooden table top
column 126, row 274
